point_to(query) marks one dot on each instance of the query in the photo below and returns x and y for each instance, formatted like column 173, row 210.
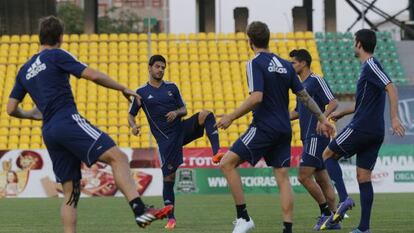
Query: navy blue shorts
column 312, row 152
column 255, row 143
column 171, row 149
column 70, row 139
column 364, row 145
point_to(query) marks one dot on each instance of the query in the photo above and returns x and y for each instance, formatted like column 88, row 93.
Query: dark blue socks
column 335, row 172
column 212, row 132
column 367, row 198
column 168, row 195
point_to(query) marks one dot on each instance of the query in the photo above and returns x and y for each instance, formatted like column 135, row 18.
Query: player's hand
column 171, row 116
column 224, row 122
column 136, row 130
column 36, row 114
column 335, row 116
column 397, row 128
column 128, row 94
column 325, row 128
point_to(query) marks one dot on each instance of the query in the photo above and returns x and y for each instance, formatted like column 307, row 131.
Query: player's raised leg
column 228, row 166
column 335, row 172
column 118, row 161
column 286, row 197
column 208, row 119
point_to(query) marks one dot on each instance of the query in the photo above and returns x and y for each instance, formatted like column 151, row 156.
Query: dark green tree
column 118, row 20
column 73, row 17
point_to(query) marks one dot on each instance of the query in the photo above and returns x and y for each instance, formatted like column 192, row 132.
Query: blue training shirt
column 156, row 103
column 46, row 78
column 370, row 98
column 320, row 92
column 273, row 76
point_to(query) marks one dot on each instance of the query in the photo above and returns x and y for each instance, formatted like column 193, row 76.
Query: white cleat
column 243, row 226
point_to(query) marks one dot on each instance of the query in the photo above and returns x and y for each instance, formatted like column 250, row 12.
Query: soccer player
column 364, row 135
column 269, row 79
column 70, row 139
column 164, row 108
column 311, row 163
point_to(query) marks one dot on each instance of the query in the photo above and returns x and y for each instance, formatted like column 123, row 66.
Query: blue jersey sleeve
column 178, row 97
column 18, row 92
column 68, row 63
column 134, row 108
column 255, row 77
column 323, row 91
column 376, row 74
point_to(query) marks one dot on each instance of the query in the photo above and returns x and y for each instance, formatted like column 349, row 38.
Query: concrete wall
column 405, row 51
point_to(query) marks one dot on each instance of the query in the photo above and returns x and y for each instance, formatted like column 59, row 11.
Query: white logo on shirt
column 150, row 97
column 276, row 66
column 35, row 68
column 170, row 93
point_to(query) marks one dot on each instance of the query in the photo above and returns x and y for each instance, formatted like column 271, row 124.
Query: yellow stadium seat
column 5, row 39
column 74, row 37
column 132, row 37
column 309, row 35
column 143, row 37
column 113, row 37
column 25, row 38
column 15, row 39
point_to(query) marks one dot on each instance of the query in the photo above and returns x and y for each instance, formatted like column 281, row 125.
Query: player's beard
column 158, row 77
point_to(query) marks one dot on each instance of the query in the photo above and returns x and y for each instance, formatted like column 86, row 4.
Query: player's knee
column 363, row 175
column 115, row 155
column 202, row 116
column 327, row 153
column 170, row 177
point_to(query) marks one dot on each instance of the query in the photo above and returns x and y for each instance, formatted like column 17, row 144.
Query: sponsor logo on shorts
column 404, row 176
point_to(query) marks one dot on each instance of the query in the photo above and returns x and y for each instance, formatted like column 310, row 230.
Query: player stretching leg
column 365, row 133
column 269, row 135
column 311, row 163
column 164, row 108
column 69, row 137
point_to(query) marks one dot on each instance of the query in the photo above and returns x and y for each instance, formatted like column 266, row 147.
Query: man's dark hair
column 156, row 58
column 301, row 55
column 367, row 38
column 50, row 30
column 259, row 34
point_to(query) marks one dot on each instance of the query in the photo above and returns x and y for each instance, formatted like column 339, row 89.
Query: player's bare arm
column 181, row 112
column 248, row 105
column 336, row 115
column 105, row 81
column 14, row 110
column 325, row 127
column 397, row 127
column 332, row 106
column 135, row 128
column 293, row 115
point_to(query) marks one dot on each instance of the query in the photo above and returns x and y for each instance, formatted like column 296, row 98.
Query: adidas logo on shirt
column 150, row 97
column 35, row 68
column 276, row 66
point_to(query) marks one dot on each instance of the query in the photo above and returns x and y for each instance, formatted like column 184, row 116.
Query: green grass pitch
column 198, row 214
